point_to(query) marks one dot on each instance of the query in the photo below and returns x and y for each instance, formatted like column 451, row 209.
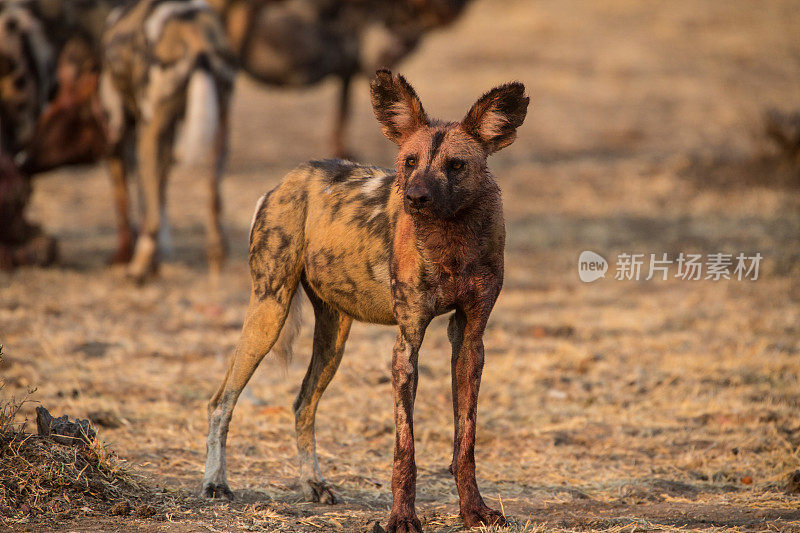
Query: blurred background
column 613, row 404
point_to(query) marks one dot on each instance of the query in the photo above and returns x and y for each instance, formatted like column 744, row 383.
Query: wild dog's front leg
column 118, row 166
column 121, row 139
column 217, row 248
column 403, row 517
column 466, row 335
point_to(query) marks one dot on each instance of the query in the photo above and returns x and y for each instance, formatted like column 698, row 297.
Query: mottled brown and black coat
column 388, row 247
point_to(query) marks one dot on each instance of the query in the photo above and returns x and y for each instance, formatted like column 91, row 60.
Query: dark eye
column 411, row 161
column 456, row 165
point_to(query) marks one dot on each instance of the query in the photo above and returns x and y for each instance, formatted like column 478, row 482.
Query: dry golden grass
column 620, row 406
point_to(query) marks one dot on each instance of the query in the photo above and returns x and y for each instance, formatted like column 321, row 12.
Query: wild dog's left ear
column 396, row 105
column 495, row 117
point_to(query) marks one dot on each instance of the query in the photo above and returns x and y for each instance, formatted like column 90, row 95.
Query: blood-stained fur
column 71, row 130
column 388, row 247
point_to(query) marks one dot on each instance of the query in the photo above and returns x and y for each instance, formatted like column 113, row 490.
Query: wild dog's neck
column 475, row 232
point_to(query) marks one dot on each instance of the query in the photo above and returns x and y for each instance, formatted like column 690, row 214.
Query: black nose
column 417, row 197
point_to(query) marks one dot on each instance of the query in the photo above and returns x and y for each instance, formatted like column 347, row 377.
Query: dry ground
column 614, row 405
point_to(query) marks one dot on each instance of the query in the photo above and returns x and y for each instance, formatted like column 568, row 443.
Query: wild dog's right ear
column 495, row 117
column 396, row 105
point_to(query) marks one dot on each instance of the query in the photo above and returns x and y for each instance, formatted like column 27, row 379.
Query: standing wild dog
column 159, row 62
column 163, row 61
column 386, row 247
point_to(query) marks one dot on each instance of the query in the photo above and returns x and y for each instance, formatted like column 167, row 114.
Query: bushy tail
column 282, row 350
column 201, row 122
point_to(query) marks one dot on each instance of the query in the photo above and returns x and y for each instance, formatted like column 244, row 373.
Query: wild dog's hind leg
column 118, row 166
column 120, row 134
column 276, row 247
column 154, row 150
column 264, row 320
column 330, row 333
column 217, row 247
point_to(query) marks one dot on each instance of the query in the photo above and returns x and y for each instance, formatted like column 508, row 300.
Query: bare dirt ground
column 616, row 405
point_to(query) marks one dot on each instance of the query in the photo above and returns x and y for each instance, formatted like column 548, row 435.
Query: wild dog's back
column 334, row 220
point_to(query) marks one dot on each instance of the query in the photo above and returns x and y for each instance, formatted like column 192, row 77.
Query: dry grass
column 616, row 406
column 44, row 482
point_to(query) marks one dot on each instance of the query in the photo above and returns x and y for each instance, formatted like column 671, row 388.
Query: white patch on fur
column 155, row 23
column 371, row 185
column 282, row 349
column 201, row 122
column 258, row 208
column 380, row 272
column 491, row 124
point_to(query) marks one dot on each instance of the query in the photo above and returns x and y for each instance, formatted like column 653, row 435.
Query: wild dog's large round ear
column 396, row 105
column 495, row 117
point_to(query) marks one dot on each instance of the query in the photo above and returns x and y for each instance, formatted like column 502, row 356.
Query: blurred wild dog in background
column 71, row 130
column 165, row 61
column 26, row 57
column 282, row 42
column 128, row 74
column 382, row 246
column 300, row 42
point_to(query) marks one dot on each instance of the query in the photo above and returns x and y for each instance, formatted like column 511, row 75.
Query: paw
column 403, row 524
column 483, row 516
column 217, row 491
column 136, row 278
column 318, row 491
column 141, row 275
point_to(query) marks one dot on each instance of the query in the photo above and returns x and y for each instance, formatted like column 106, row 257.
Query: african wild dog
column 163, row 61
column 25, row 59
column 386, row 247
column 159, row 62
column 300, row 42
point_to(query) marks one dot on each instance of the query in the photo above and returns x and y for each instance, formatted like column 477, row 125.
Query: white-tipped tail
column 282, row 350
column 201, row 122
